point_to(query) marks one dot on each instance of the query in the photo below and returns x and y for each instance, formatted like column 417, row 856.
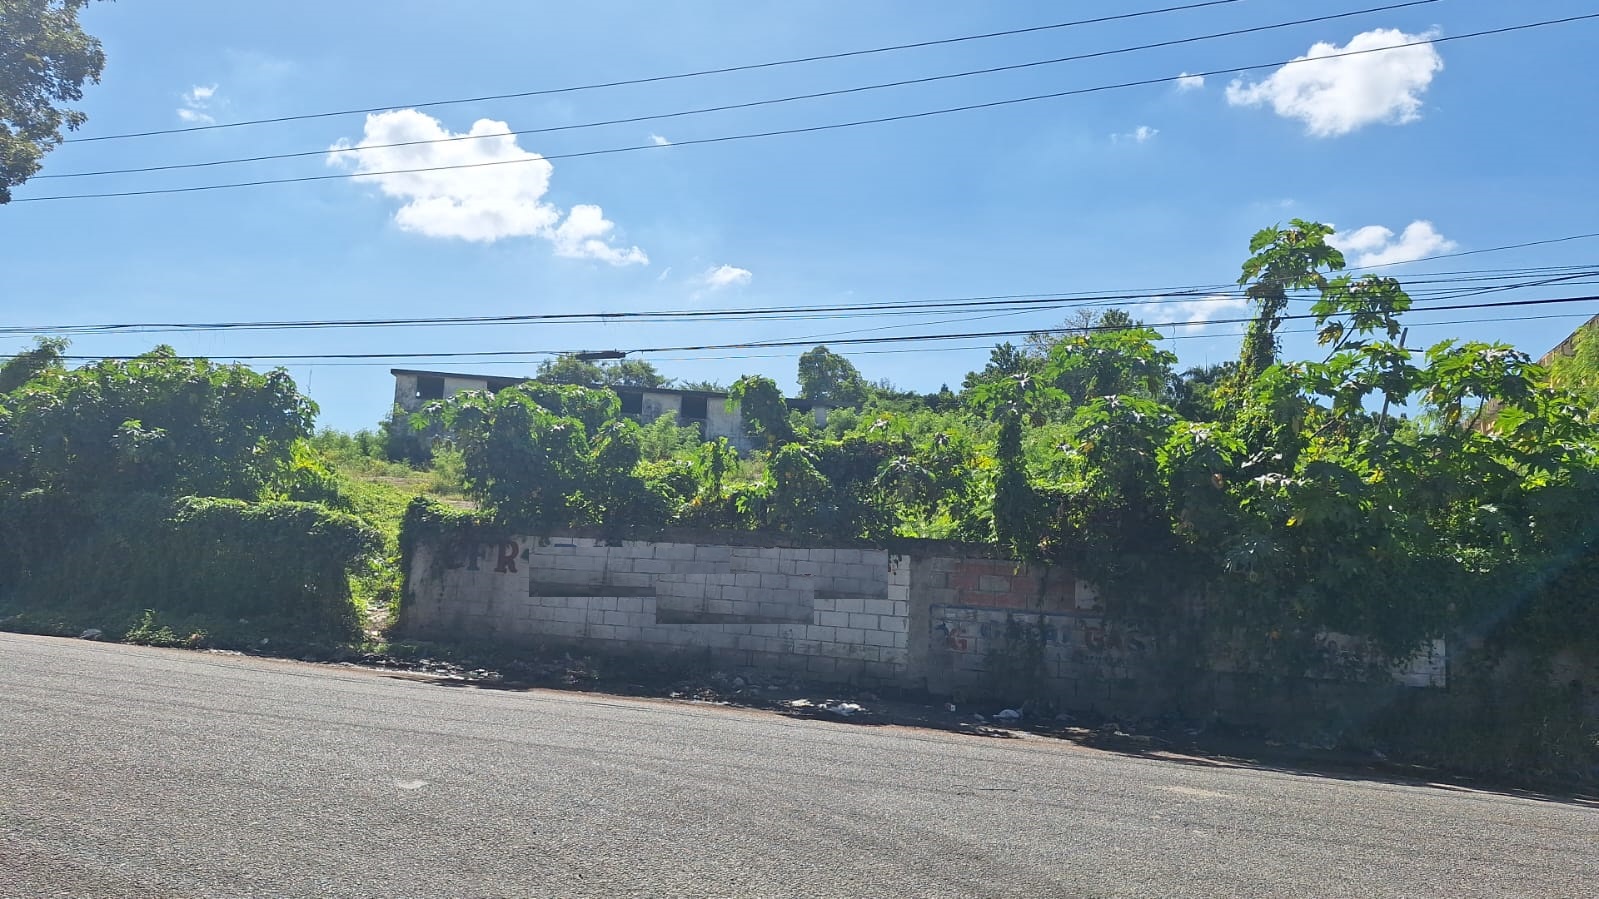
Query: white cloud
column 196, row 101
column 1376, row 245
column 1193, row 314
column 659, row 141
column 500, row 195
column 583, row 236
column 723, row 276
column 1337, row 96
column 1138, row 135
column 1187, row 82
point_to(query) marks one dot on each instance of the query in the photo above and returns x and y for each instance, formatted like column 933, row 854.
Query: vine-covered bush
column 231, row 569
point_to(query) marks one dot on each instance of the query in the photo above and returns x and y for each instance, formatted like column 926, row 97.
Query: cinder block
column 893, row 623
column 849, row 635
column 821, row 556
column 709, row 553
column 822, row 633
column 821, row 664
column 631, row 604
column 747, row 579
column 754, row 643
column 807, row 568
column 902, row 608
column 674, row 551
column 651, row 566
column 864, row 622
column 850, row 604
column 832, row 619
column 879, row 607
column 719, row 606
column 603, row 603
column 875, row 575
column 879, row 638
column 774, row 581
column 621, row 619
column 758, row 564
column 602, row 632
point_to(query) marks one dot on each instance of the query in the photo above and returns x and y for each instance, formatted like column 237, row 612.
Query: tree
column 45, row 58
column 1284, row 259
column 569, row 370
column 29, row 364
column 762, row 408
column 1081, row 323
column 635, row 373
column 702, row 386
column 155, row 424
column 629, row 373
column 827, row 377
column 1004, row 361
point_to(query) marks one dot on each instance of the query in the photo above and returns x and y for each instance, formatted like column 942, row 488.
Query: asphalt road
column 141, row 772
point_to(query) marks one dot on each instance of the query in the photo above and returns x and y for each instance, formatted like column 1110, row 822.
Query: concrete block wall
column 833, row 614
column 933, row 620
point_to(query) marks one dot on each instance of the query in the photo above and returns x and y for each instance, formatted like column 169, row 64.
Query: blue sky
column 1454, row 146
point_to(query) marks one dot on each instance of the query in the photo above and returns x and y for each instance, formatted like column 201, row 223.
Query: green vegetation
column 45, row 58
column 160, row 489
column 1243, row 511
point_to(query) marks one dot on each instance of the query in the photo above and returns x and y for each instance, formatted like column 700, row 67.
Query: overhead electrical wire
column 730, row 107
column 919, row 350
column 833, row 126
column 1461, row 284
column 655, row 79
column 861, row 341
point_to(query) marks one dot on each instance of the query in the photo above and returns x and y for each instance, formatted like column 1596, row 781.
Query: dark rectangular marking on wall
column 559, row 588
column 853, row 594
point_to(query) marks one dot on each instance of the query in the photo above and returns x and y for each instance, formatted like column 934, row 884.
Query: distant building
column 704, row 409
column 1568, row 346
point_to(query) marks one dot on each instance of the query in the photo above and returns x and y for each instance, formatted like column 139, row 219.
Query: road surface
column 143, row 772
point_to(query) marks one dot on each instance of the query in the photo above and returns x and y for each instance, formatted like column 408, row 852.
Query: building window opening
column 429, row 388
column 695, row 408
column 632, row 403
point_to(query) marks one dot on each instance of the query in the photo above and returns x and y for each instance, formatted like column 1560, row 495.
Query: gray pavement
column 141, row 772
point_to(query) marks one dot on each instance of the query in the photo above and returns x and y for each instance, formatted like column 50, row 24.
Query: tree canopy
column 45, row 59
column 827, row 377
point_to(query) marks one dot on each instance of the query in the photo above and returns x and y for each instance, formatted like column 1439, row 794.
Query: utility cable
column 1016, row 303
column 859, row 341
column 811, row 129
column 654, row 79
column 357, row 148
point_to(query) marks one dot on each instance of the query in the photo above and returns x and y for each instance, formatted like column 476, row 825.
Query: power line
column 1518, row 246
column 892, row 351
column 655, row 79
column 1007, row 303
column 867, row 341
column 735, row 106
column 783, row 132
